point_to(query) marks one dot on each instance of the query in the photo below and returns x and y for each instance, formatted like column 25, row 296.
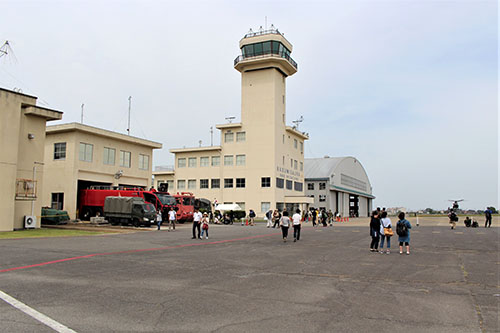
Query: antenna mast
column 129, row 104
column 81, row 120
column 211, row 135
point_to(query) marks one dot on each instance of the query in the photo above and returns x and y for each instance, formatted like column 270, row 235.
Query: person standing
column 324, row 217
column 487, row 214
column 196, row 223
column 374, row 231
column 314, row 215
column 159, row 219
column 297, row 224
column 385, row 224
column 251, row 215
column 204, row 225
column 172, row 217
column 403, row 230
column 285, row 224
column 269, row 217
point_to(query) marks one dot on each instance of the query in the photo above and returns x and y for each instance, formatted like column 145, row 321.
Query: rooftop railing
column 262, row 32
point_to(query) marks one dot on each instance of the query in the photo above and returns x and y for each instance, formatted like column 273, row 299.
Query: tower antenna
column 298, row 121
column 129, row 105
column 211, row 135
column 81, row 120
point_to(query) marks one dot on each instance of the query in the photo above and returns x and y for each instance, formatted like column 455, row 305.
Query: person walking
column 487, row 214
column 374, row 231
column 324, row 217
column 276, row 218
column 385, row 232
column 314, row 215
column 196, row 223
column 269, row 217
column 172, row 217
column 285, row 224
column 297, row 224
column 159, row 219
column 403, row 230
column 204, row 225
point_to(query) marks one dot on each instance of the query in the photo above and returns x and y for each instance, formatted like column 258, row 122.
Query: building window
column 57, row 201
column 192, row 162
column 283, row 138
column 143, row 162
column 295, row 143
column 280, row 182
column 240, row 182
column 170, row 184
column 283, row 160
column 265, row 182
column 109, row 156
column 181, row 162
column 228, row 160
column 311, row 196
column 215, row 183
column 228, row 182
column 298, row 186
column 240, row 159
column 322, row 197
column 295, row 164
column 289, row 184
column 204, row 161
column 291, row 163
column 229, row 137
column 322, row 186
column 60, row 151
column 310, row 186
column 215, row 160
column 181, row 184
column 265, row 206
column 125, row 159
column 86, row 151
column 203, row 183
column 191, row 184
column 301, row 147
column 241, row 204
column 240, row 136
column 301, row 166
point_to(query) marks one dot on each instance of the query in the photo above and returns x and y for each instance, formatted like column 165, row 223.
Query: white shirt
column 285, row 221
column 296, row 219
column 171, row 215
column 197, row 216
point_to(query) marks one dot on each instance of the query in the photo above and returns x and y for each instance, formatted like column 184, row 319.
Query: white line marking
column 35, row 314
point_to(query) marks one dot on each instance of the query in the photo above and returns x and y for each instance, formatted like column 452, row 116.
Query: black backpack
column 401, row 229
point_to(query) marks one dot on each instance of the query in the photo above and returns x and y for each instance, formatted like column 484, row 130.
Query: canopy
column 226, row 207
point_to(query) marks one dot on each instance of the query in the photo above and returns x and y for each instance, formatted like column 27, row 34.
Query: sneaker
column 400, row 252
column 407, row 253
column 381, row 251
column 294, row 240
column 193, row 237
column 206, row 237
column 388, row 252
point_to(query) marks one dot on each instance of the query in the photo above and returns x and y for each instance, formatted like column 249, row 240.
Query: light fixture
column 31, row 136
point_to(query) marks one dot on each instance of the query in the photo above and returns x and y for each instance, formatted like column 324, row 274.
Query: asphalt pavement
column 246, row 279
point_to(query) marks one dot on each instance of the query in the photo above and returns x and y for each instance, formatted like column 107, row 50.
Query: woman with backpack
column 385, row 232
column 403, row 230
column 374, row 231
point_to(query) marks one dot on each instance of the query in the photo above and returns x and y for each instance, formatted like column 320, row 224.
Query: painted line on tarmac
column 56, row 326
column 135, row 251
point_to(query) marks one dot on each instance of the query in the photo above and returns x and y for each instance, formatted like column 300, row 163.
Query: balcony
column 266, row 55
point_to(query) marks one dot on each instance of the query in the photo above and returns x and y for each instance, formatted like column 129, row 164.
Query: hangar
column 340, row 184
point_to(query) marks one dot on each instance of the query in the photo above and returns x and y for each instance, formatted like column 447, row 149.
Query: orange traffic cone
column 246, row 222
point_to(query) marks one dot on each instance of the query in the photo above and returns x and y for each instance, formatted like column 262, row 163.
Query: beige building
column 22, row 140
column 260, row 162
column 78, row 156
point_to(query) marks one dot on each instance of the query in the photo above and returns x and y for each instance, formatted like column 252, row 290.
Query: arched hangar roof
column 343, row 174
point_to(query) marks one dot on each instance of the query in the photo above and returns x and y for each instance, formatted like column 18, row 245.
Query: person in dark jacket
column 374, row 231
column 404, row 239
column 487, row 214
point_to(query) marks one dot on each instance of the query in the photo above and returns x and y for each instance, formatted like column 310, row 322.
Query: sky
column 409, row 88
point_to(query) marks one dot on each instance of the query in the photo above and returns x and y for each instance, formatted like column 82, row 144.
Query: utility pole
column 211, row 135
column 129, row 104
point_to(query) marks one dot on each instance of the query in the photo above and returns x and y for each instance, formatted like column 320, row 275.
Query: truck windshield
column 166, row 199
column 149, row 208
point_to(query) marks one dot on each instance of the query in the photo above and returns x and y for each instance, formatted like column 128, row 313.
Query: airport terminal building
column 259, row 164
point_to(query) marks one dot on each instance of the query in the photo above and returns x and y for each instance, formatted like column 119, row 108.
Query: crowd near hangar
column 339, row 184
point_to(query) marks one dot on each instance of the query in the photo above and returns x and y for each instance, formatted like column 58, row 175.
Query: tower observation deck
column 265, row 49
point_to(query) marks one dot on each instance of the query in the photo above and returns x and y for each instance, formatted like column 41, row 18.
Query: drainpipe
column 34, row 176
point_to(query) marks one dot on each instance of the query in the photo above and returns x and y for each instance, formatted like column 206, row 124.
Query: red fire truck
column 91, row 201
column 186, row 204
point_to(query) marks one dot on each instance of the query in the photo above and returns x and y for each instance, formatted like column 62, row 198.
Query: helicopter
column 455, row 203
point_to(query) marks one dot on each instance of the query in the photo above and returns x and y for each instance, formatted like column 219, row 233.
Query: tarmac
column 246, row 279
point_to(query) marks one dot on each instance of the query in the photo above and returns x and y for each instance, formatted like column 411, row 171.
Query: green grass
column 47, row 233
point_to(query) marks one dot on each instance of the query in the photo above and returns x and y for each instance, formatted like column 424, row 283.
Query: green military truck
column 129, row 210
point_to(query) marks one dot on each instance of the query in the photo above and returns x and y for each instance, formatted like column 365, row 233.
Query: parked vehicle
column 91, row 201
column 129, row 210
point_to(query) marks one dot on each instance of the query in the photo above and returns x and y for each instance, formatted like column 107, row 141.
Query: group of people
column 381, row 231
column 295, row 221
column 322, row 216
column 172, row 218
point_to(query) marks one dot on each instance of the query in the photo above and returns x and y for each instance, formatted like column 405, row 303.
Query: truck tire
column 87, row 213
column 136, row 223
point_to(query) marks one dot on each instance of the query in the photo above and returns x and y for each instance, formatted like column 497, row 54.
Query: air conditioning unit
column 29, row 222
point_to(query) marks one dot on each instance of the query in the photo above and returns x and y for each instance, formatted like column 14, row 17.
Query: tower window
column 265, row 182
